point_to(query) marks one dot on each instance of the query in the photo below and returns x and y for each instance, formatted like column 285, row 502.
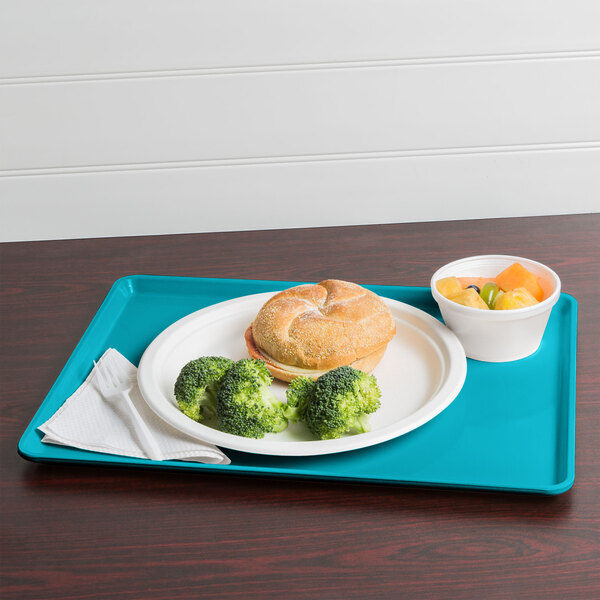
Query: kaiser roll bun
column 313, row 328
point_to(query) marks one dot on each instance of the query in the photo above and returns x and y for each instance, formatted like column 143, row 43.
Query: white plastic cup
column 497, row 335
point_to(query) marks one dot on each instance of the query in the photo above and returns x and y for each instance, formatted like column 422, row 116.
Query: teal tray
column 511, row 428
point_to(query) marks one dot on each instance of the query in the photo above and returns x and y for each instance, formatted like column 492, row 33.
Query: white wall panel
column 291, row 195
column 300, row 113
column 83, row 37
column 363, row 111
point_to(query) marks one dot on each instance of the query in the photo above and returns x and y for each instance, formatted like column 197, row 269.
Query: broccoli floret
column 342, row 400
column 298, row 395
column 245, row 404
column 197, row 384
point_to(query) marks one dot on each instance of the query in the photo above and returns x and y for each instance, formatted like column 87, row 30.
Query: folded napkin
column 88, row 421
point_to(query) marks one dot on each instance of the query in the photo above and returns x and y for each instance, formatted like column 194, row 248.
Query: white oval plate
column 421, row 373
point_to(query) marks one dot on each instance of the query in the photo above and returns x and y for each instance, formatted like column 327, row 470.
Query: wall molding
column 293, row 67
column 337, row 157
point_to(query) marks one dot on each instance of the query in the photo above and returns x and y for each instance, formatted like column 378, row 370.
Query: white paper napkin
column 87, row 421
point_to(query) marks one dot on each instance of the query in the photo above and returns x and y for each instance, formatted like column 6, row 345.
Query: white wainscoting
column 147, row 117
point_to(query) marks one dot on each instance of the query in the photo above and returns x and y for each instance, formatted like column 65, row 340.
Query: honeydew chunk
column 449, row 287
column 470, row 297
column 517, row 298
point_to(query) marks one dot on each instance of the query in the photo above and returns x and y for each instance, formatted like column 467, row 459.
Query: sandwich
column 310, row 329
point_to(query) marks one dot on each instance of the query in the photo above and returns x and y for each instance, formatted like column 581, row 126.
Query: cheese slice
column 290, row 368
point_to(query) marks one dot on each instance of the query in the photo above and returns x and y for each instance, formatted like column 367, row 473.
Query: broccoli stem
column 292, row 413
column 206, row 403
column 270, row 401
column 361, row 424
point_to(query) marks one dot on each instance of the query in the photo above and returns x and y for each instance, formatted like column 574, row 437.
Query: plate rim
column 265, row 446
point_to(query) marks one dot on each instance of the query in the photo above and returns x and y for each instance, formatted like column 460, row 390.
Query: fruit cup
column 497, row 335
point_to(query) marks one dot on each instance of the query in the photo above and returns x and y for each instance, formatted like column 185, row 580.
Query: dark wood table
column 72, row 531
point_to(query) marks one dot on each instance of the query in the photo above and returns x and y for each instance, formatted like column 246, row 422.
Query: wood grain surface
column 94, row 533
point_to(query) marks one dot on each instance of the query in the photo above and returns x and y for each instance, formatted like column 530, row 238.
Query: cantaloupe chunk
column 449, row 287
column 517, row 298
column 465, row 282
column 517, row 276
column 470, row 297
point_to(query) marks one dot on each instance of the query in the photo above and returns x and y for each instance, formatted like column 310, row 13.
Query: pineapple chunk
column 517, row 298
column 470, row 297
column 449, row 287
